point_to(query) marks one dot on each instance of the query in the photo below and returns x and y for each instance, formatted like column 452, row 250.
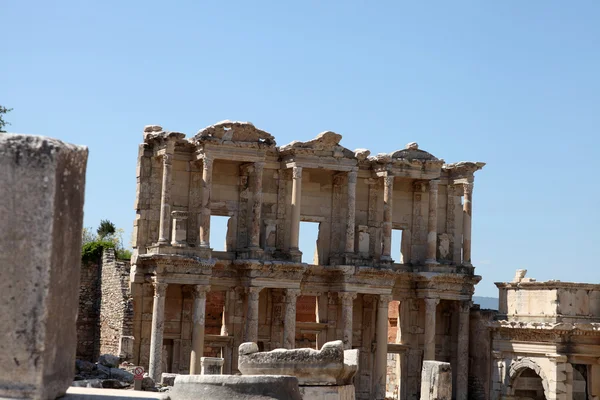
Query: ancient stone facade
column 105, row 318
column 191, row 301
column 544, row 343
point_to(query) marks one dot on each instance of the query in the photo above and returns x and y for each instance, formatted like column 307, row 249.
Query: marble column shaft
column 289, row 322
column 462, row 373
column 251, row 331
column 467, row 210
column 198, row 321
column 207, row 167
column 352, row 177
column 257, row 204
column 347, row 299
column 432, row 223
column 156, row 336
column 388, row 195
column 381, row 336
column 165, row 200
column 296, row 196
column 430, row 319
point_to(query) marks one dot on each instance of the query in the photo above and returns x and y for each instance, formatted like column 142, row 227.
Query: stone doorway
column 528, row 386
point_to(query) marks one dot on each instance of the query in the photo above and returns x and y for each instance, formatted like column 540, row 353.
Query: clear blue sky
column 515, row 84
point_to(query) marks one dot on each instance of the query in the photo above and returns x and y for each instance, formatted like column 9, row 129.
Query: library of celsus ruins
column 191, row 301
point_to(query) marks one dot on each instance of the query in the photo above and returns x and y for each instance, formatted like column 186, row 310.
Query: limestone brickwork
column 259, row 290
column 88, row 316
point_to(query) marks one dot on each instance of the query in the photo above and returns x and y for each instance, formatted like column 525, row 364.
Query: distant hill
column 486, row 302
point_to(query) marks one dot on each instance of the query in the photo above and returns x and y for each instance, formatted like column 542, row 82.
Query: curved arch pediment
column 235, row 132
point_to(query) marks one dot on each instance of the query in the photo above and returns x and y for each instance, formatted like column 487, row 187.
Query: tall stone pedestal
column 42, row 182
column 436, row 381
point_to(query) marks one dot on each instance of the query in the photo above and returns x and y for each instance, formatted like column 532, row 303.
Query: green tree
column 3, row 123
column 106, row 228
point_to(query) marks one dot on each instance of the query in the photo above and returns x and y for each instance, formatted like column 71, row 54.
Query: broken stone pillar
column 381, row 336
column 42, row 182
column 289, row 322
column 207, row 166
column 436, row 381
column 296, row 196
column 251, row 331
column 211, row 365
column 352, row 175
column 198, row 320
column 388, row 195
column 156, row 336
column 347, row 299
column 165, row 200
column 467, row 210
column 432, row 223
column 179, row 234
column 430, row 314
column 462, row 354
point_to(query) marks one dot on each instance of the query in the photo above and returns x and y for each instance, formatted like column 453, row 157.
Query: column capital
column 464, row 306
column 347, row 296
column 200, row 291
column 207, row 162
column 259, row 166
column 431, row 302
column 253, row 292
column 384, row 300
column 388, row 180
column 167, row 158
column 160, row 289
column 468, row 189
column 352, row 176
column 292, row 294
column 433, row 185
column 296, row 172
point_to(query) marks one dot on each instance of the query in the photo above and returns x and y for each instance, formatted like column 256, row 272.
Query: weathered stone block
column 436, row 381
column 41, row 213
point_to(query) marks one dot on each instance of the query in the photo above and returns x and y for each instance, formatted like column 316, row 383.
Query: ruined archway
column 527, row 380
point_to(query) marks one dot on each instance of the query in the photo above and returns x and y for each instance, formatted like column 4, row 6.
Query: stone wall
column 116, row 309
column 88, row 327
column 480, row 346
column 105, row 307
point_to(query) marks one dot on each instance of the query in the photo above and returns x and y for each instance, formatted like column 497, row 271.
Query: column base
column 179, row 244
column 251, row 253
column 162, row 242
column 431, row 262
column 466, row 264
column 295, row 255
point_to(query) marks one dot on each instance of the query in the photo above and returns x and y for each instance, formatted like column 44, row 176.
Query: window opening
column 309, row 234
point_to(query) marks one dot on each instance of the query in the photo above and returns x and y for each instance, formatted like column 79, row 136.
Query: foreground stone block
column 345, row 392
column 211, row 365
column 75, row 393
column 436, row 381
column 42, row 183
column 233, row 387
column 312, row 367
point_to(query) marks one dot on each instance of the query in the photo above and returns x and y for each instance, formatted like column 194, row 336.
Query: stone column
column 462, row 354
column 198, row 321
column 347, row 299
column 179, row 233
column 257, row 205
column 289, row 321
column 165, row 201
column 430, row 311
column 207, row 166
column 432, row 224
column 352, row 175
column 388, row 194
column 467, row 210
column 251, row 332
column 156, row 336
column 381, row 335
column 296, row 196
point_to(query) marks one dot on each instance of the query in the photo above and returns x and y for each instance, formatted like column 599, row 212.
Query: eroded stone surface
column 42, row 183
column 436, row 381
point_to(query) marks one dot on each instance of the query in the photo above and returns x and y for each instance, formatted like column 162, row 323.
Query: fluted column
column 347, row 299
column 251, row 331
column 207, row 167
column 198, row 320
column 352, row 176
column 430, row 319
column 432, row 224
column 156, row 335
column 467, row 210
column 462, row 354
column 296, row 195
column 289, row 322
column 165, row 201
column 388, row 194
column 256, row 205
column 382, row 342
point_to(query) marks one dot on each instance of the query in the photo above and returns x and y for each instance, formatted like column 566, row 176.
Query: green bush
column 92, row 251
column 123, row 254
